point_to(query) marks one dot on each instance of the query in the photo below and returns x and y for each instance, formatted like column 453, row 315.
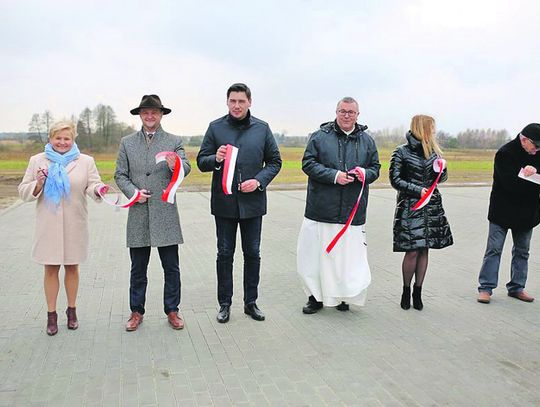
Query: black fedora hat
column 150, row 102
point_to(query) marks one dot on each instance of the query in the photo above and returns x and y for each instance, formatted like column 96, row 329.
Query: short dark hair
column 239, row 87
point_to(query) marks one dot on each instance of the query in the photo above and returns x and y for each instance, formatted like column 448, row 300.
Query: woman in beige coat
column 59, row 180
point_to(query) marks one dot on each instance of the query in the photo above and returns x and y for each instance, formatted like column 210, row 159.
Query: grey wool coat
column 153, row 223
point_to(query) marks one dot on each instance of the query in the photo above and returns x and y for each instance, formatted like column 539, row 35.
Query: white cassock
column 341, row 275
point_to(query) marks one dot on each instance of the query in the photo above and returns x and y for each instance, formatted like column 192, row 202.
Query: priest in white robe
column 341, row 160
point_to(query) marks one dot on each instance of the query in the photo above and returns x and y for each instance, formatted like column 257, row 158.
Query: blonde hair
column 423, row 128
column 63, row 125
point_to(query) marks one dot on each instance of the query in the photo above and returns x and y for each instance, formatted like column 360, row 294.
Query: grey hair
column 348, row 99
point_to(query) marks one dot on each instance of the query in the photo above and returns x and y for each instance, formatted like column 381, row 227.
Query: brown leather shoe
column 52, row 323
column 72, row 322
column 134, row 321
column 522, row 295
column 484, row 297
column 175, row 320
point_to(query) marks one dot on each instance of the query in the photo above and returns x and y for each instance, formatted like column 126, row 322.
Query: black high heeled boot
column 417, row 298
column 406, row 298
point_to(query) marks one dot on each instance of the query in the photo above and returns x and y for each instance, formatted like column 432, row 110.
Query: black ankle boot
column 343, row 306
column 312, row 305
column 406, row 298
column 417, row 298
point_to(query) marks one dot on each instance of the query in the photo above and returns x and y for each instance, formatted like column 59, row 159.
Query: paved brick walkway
column 455, row 352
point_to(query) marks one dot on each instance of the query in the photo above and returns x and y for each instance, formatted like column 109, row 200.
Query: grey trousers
column 489, row 273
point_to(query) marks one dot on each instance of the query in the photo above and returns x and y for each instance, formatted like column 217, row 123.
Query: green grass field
column 464, row 166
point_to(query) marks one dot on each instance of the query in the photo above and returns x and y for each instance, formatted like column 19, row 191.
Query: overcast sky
column 470, row 64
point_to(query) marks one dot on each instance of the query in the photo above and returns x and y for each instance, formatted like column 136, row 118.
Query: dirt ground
column 8, row 191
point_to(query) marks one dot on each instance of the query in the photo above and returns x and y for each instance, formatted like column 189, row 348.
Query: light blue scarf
column 57, row 184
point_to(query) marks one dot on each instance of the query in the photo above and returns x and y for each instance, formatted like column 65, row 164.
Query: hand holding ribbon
column 231, row 155
column 221, row 153
column 142, row 196
column 344, row 178
column 102, row 192
column 104, row 188
column 438, row 166
column 178, row 174
column 361, row 175
column 171, row 161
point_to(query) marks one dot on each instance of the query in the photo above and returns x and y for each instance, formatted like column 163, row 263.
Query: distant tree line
column 97, row 128
column 470, row 138
column 281, row 138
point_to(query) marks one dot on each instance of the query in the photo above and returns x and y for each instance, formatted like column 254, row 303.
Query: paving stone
column 454, row 352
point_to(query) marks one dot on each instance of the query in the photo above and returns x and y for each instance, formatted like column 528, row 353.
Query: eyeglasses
column 534, row 143
column 347, row 112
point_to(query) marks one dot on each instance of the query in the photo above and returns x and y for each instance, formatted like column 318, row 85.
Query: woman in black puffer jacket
column 412, row 171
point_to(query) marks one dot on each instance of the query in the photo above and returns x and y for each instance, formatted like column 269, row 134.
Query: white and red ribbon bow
column 361, row 173
column 178, row 176
column 438, row 166
column 168, row 194
column 229, row 165
column 102, row 191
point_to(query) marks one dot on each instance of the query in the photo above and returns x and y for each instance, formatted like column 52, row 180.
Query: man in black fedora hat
column 514, row 204
column 151, row 221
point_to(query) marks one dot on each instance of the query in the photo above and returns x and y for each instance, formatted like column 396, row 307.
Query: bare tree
column 47, row 120
column 35, row 126
column 84, row 128
column 104, row 119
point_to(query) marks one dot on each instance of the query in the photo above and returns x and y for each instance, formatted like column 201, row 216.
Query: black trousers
column 250, row 232
column 140, row 256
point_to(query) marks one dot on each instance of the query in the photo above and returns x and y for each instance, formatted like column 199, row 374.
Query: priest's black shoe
column 343, row 306
column 224, row 314
column 312, row 306
column 253, row 311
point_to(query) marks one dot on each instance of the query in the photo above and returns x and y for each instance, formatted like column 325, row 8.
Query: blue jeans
column 489, row 273
column 140, row 257
column 250, row 232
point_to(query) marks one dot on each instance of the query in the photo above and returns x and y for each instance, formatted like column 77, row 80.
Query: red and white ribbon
column 361, row 173
column 438, row 166
column 229, row 164
column 178, row 175
column 102, row 191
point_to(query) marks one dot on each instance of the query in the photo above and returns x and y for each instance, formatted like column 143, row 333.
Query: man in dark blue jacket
column 514, row 204
column 258, row 162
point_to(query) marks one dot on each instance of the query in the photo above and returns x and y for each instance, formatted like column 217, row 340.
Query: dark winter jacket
column 409, row 173
column 329, row 150
column 514, row 202
column 258, row 158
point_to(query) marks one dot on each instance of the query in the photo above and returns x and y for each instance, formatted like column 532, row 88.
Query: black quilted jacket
column 329, row 150
column 409, row 173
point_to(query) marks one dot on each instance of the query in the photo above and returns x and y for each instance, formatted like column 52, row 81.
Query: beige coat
column 61, row 236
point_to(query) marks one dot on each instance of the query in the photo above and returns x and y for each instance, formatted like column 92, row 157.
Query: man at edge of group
column 330, row 159
column 151, row 221
column 258, row 162
column 514, row 204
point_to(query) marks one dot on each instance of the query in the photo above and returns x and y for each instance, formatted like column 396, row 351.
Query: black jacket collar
column 413, row 142
column 329, row 126
column 242, row 123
